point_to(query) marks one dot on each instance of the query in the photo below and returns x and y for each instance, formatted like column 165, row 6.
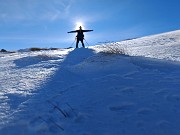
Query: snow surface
column 84, row 92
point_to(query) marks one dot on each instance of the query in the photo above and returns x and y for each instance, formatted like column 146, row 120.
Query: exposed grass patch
column 42, row 49
column 3, row 50
column 53, row 48
column 37, row 49
column 114, row 49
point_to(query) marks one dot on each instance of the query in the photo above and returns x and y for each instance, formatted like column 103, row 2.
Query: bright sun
column 78, row 24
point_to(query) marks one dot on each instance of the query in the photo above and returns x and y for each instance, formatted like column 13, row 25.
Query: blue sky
column 45, row 23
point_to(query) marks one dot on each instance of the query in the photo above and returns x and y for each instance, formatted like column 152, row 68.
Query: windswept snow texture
column 86, row 92
column 162, row 46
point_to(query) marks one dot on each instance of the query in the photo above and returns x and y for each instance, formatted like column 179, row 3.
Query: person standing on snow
column 80, row 35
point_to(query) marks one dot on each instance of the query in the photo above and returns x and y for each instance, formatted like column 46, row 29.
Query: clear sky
column 45, row 23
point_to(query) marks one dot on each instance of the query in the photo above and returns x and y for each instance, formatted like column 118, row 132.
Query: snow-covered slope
column 161, row 46
column 84, row 92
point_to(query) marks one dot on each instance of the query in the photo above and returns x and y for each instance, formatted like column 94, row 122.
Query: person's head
column 80, row 28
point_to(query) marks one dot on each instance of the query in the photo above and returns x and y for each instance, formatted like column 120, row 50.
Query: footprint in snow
column 163, row 123
column 144, row 111
column 173, row 98
column 161, row 92
column 81, row 117
column 122, row 106
column 140, row 124
column 128, row 90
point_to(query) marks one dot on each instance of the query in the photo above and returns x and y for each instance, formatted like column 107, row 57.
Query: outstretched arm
column 87, row 30
column 72, row 31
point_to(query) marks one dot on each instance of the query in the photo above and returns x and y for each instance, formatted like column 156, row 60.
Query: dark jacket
column 80, row 35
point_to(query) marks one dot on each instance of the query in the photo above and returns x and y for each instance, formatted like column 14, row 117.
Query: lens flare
column 78, row 24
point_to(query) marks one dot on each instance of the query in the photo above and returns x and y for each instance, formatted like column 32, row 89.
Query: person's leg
column 77, row 42
column 82, row 43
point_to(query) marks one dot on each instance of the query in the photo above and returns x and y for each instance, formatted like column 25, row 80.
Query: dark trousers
column 77, row 42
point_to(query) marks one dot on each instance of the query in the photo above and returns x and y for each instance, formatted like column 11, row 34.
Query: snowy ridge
column 162, row 46
column 83, row 91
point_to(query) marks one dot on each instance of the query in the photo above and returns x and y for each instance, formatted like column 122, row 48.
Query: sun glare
column 78, row 24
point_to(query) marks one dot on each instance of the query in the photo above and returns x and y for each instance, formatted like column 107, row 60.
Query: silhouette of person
column 80, row 35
